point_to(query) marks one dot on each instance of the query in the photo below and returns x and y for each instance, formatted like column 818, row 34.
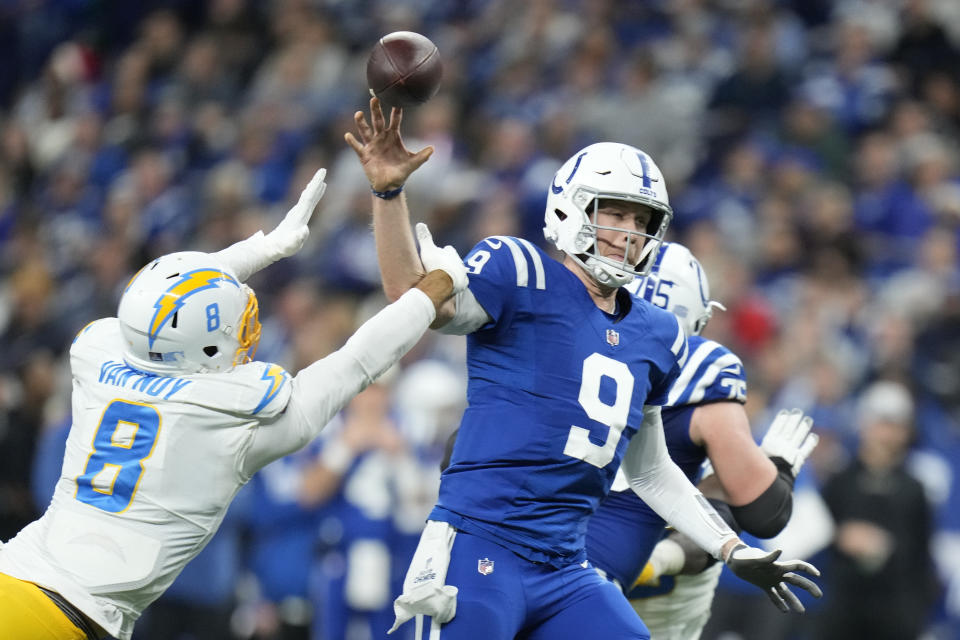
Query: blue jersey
column 556, row 389
column 282, row 534
column 624, row 529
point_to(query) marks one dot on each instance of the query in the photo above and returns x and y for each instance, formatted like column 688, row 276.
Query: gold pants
column 26, row 613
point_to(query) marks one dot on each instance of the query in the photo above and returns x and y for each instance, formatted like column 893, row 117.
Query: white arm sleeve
column 247, row 257
column 656, row 478
column 469, row 316
column 326, row 386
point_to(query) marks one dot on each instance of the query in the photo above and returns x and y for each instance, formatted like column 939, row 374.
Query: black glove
column 760, row 567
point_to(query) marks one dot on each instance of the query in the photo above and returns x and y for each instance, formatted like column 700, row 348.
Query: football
column 404, row 69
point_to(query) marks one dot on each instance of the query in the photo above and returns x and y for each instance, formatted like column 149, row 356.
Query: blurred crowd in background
column 810, row 152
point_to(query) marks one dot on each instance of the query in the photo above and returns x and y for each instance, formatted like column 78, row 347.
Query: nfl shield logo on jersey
column 613, row 338
column 485, row 566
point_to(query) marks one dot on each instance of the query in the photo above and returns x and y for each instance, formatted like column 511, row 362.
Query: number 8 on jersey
column 124, row 438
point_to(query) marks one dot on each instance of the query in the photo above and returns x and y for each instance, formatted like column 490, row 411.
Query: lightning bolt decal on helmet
column 186, row 313
column 171, row 300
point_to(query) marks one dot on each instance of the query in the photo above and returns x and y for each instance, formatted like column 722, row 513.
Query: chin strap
column 600, row 272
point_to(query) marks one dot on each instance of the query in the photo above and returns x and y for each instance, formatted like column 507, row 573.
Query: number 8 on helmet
column 187, row 313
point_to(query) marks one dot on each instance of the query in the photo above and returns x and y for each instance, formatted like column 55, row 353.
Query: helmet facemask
column 606, row 171
column 248, row 330
column 609, row 271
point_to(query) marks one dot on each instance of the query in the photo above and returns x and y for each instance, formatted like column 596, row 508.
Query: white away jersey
column 153, row 462
column 151, row 465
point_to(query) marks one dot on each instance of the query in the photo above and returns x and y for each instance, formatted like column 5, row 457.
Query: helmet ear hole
column 211, row 350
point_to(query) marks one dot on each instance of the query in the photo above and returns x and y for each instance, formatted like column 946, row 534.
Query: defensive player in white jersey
column 749, row 485
column 566, row 372
column 170, row 419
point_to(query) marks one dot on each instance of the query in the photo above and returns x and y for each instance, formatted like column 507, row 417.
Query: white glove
column 292, row 232
column 760, row 568
column 258, row 251
column 424, row 591
column 789, row 438
column 446, row 259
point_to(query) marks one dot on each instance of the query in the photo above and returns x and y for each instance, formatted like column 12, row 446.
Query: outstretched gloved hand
column 292, row 232
column 446, row 259
column 258, row 251
column 762, row 569
column 789, row 437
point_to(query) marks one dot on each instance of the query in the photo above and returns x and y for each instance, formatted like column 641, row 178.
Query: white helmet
column 606, row 170
column 187, row 313
column 430, row 397
column 678, row 284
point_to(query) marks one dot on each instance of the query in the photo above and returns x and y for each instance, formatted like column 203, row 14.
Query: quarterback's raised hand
column 762, row 569
column 385, row 159
column 292, row 232
column 446, row 259
column 789, row 437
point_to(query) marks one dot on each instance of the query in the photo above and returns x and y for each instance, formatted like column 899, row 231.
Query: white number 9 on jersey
column 595, row 368
column 477, row 260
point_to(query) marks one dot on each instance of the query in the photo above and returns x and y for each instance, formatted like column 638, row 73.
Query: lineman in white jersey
column 676, row 607
column 171, row 419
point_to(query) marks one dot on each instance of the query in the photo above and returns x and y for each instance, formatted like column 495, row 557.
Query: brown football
column 404, row 69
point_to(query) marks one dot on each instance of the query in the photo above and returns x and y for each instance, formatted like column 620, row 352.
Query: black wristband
column 387, row 195
column 784, row 468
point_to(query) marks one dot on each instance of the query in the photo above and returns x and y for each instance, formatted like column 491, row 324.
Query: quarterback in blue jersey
column 566, row 371
column 750, row 485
